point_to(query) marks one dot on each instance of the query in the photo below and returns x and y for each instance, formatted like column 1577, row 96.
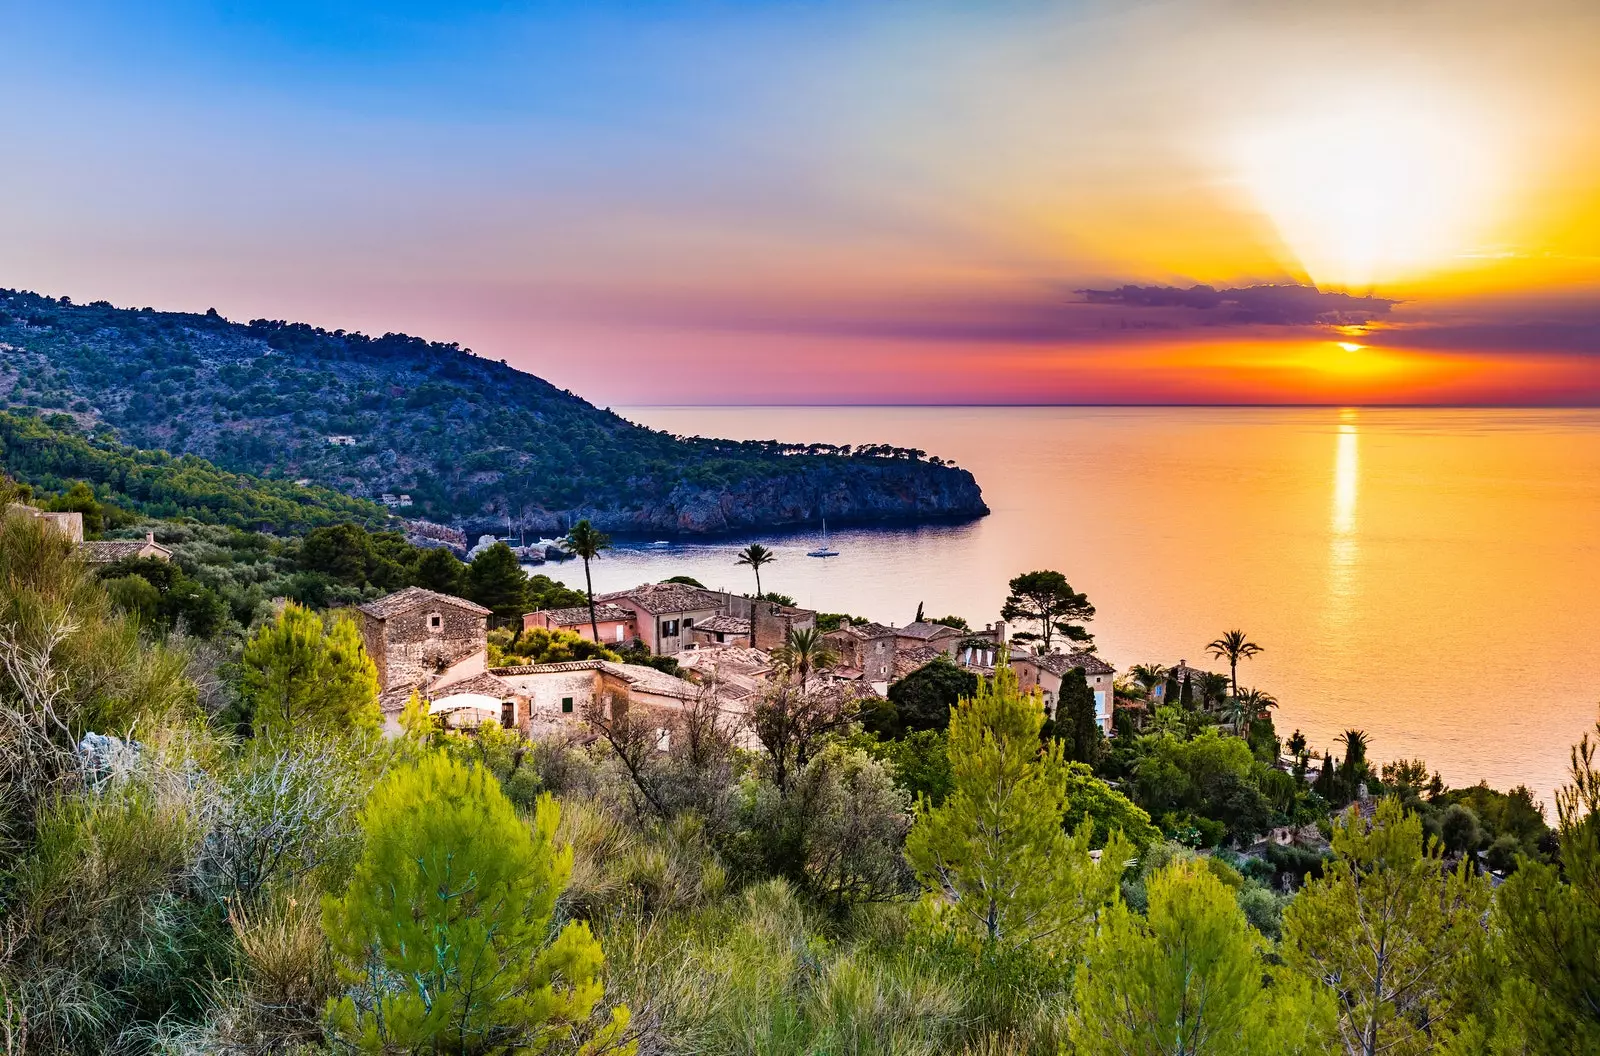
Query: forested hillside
column 52, row 454
column 471, row 441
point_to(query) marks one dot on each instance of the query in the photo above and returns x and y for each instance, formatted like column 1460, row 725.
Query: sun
column 1372, row 189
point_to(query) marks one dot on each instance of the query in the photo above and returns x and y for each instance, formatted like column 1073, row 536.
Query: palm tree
column 1149, row 676
column 1235, row 646
column 586, row 541
column 1247, row 705
column 804, row 651
column 1353, row 771
column 755, row 555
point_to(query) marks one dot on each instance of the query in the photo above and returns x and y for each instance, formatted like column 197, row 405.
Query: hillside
column 472, row 442
column 51, row 454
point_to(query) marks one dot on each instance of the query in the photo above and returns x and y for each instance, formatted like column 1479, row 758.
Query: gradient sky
column 840, row 202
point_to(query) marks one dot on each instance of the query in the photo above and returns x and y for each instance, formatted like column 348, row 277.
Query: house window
column 508, row 714
column 1099, row 702
column 566, row 705
column 619, row 632
column 669, row 628
column 435, row 621
column 687, row 623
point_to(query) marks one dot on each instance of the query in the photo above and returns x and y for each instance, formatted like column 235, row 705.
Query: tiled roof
column 484, row 683
column 98, row 551
column 646, row 678
column 927, row 630
column 578, row 615
column 866, row 631
column 657, row 598
column 415, row 597
column 914, row 659
column 1061, row 663
column 721, row 624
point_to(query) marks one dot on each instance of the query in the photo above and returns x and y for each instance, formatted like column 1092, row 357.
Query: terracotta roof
column 104, row 551
column 926, row 631
column 578, row 615
column 1061, row 663
column 657, row 598
column 415, row 597
column 721, row 624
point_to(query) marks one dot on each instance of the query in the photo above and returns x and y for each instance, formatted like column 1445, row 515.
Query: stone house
column 68, row 524
column 558, row 696
column 924, row 634
column 720, row 630
column 979, row 650
column 666, row 615
column 864, row 650
column 1045, row 673
column 618, row 625
column 105, row 551
column 417, row 637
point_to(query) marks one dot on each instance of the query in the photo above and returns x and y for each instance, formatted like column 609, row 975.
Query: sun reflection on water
column 1344, row 548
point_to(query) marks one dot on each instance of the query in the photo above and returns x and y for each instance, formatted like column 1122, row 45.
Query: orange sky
column 843, row 202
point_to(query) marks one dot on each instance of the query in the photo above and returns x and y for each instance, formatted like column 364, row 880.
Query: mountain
column 472, row 442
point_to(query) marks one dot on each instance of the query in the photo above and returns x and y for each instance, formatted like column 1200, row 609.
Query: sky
column 827, row 202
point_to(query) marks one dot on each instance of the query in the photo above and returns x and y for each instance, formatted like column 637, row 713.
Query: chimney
column 149, row 537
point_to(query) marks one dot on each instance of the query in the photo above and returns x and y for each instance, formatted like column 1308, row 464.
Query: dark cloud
column 1288, row 305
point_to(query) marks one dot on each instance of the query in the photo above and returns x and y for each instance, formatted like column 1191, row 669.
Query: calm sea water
column 1428, row 576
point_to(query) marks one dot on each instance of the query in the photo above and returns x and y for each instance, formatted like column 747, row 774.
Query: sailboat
column 824, row 550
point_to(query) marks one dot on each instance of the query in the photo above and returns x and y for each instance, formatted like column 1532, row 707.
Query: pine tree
column 438, row 570
column 1190, row 978
column 1001, row 876
column 443, row 934
column 303, row 673
column 496, row 581
column 1392, row 931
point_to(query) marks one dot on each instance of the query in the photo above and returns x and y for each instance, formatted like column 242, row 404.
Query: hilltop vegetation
column 51, row 454
column 470, row 440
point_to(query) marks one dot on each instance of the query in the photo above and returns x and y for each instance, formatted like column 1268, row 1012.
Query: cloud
column 1287, row 305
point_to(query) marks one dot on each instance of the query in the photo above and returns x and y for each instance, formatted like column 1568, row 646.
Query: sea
column 1427, row 576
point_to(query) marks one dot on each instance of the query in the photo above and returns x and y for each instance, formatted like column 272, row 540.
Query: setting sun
column 1373, row 190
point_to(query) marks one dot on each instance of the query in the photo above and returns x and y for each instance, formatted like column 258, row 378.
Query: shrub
column 443, row 934
column 306, row 673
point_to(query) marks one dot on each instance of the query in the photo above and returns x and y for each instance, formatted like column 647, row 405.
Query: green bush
column 443, row 934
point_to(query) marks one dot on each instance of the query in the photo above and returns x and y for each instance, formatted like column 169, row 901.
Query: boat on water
column 824, row 550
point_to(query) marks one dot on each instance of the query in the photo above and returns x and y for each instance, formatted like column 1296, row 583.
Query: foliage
column 1391, row 930
column 443, row 934
column 51, row 455
column 540, row 646
column 923, row 699
column 1091, row 801
column 1211, row 777
column 1191, row 978
column 1046, row 600
column 308, row 673
column 1543, row 976
column 1000, row 874
column 496, row 581
column 918, row 761
column 1075, row 724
